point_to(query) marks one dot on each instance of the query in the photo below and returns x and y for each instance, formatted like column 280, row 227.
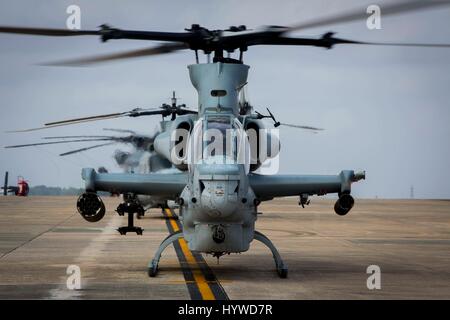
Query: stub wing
column 157, row 184
column 272, row 186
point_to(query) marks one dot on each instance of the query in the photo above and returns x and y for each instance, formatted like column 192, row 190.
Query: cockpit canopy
column 219, row 139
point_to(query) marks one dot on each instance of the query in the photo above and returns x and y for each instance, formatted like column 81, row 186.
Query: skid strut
column 282, row 269
column 153, row 265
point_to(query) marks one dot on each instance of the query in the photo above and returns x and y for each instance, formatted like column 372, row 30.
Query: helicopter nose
column 219, row 198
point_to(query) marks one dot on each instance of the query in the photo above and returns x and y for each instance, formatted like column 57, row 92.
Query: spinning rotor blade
column 120, row 130
column 166, row 48
column 274, row 35
column 328, row 41
column 133, row 139
column 75, row 137
column 277, row 123
column 72, row 121
column 48, row 32
column 86, row 148
column 140, row 142
column 361, row 14
column 53, row 142
column 87, row 119
column 199, row 38
column 105, row 31
column 434, row 45
column 165, row 111
column 133, row 113
column 300, row 127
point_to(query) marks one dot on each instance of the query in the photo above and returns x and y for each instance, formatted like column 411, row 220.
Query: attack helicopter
column 217, row 186
column 141, row 159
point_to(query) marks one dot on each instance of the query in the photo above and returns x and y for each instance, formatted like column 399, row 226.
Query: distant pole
column 5, row 186
column 412, row 192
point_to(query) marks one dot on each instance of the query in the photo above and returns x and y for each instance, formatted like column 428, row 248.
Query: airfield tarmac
column 327, row 255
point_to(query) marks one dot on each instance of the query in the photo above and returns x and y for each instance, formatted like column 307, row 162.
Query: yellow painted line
column 202, row 284
column 199, row 278
column 172, row 221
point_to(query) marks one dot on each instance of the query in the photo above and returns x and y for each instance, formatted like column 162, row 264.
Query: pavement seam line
column 37, row 236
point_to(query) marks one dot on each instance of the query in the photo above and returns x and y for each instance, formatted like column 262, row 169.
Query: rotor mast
column 218, row 85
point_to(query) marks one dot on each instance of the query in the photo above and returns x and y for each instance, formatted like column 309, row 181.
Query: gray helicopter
column 217, row 185
column 140, row 159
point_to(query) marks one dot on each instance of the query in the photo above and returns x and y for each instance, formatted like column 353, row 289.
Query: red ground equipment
column 20, row 190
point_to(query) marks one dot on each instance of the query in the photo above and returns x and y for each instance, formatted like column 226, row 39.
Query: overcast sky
column 385, row 109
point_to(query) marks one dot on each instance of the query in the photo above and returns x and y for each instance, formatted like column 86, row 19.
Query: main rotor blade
column 183, row 111
column 86, row 148
column 106, row 33
column 328, row 41
column 162, row 49
column 85, row 119
column 113, row 33
column 75, row 137
column 301, row 127
column 133, row 113
column 430, row 45
column 47, row 31
column 361, row 14
column 120, row 130
column 53, row 142
column 136, row 140
column 53, row 126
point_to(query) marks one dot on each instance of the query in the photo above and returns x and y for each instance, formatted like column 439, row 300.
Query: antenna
column 174, row 98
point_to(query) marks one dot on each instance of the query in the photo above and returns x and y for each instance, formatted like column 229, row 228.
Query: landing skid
column 153, row 265
column 282, row 269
